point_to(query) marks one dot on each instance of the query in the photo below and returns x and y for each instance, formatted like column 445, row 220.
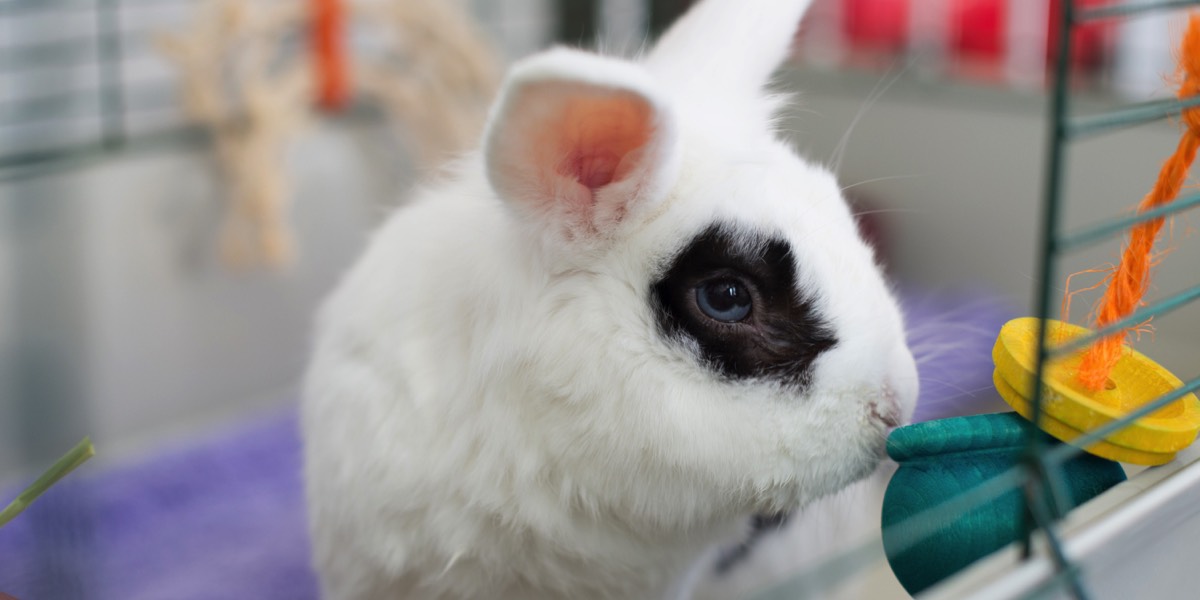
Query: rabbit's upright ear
column 722, row 53
column 579, row 141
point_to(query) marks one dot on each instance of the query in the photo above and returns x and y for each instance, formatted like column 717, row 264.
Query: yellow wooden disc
column 1067, row 433
column 1070, row 409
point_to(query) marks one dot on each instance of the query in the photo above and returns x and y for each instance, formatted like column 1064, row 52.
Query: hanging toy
column 433, row 77
column 941, row 461
column 1070, row 408
column 1088, row 389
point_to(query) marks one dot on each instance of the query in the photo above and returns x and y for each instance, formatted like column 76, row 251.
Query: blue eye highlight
column 725, row 300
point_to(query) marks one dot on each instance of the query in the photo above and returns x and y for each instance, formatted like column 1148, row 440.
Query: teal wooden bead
column 939, row 460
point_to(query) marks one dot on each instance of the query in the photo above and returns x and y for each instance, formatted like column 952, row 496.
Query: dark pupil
column 724, row 300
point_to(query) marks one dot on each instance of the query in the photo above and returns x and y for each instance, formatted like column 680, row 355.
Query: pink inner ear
column 594, row 171
column 595, row 135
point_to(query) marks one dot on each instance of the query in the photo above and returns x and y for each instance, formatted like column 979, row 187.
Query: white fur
column 844, row 522
column 491, row 411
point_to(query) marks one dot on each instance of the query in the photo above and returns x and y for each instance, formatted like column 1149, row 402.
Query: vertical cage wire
column 1038, row 474
column 111, row 89
column 1040, row 463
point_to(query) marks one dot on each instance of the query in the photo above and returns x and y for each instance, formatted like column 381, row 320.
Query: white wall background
column 135, row 327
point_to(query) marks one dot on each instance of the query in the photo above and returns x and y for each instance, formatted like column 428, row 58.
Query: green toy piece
column 941, row 460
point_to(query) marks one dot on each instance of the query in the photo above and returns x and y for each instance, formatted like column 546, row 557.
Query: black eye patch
column 736, row 297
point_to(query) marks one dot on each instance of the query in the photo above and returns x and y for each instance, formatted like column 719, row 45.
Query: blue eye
column 725, row 300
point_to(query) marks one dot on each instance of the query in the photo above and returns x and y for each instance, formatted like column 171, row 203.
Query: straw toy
column 433, row 77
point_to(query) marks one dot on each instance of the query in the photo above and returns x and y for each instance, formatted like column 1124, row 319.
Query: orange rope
column 1131, row 278
column 329, row 53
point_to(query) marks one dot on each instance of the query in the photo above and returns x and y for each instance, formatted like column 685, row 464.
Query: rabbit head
column 716, row 335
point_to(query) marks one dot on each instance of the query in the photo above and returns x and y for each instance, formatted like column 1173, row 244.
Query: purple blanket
column 223, row 517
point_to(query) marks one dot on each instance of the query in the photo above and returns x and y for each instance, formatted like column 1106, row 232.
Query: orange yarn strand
column 329, row 53
column 1131, row 279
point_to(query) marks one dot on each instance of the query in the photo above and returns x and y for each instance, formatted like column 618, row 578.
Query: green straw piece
column 69, row 462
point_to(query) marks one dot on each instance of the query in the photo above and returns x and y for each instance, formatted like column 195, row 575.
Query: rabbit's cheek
column 902, row 382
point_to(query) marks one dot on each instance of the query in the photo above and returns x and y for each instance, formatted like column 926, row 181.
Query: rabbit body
column 514, row 393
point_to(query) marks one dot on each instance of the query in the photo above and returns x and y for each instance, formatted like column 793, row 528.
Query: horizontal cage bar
column 25, row 7
column 1128, row 116
column 82, row 51
column 1129, row 8
column 50, row 107
column 1065, row 452
column 1162, row 307
column 42, row 162
column 1103, row 231
column 73, row 104
column 48, row 54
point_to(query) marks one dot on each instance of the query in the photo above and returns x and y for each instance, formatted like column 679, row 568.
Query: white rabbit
column 630, row 322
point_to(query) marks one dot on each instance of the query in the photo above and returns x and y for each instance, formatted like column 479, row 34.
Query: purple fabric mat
column 220, row 518
column 951, row 336
column 223, row 517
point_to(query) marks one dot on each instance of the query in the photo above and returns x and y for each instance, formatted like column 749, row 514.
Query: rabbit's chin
column 855, row 463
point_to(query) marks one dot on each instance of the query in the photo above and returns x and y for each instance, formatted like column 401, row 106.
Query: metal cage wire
column 1038, row 474
column 94, row 105
column 1042, row 466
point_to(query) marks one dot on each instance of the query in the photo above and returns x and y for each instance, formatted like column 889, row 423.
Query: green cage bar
column 1042, row 463
column 1106, row 230
column 1129, row 9
column 1134, row 114
column 1066, row 451
column 1161, row 307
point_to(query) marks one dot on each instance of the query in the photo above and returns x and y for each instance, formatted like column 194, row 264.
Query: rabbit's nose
column 886, row 409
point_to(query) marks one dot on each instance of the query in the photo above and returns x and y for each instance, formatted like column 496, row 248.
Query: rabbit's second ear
column 577, row 140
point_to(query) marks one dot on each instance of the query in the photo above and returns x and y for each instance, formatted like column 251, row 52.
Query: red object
column 329, row 53
column 1089, row 44
column 977, row 28
column 876, row 24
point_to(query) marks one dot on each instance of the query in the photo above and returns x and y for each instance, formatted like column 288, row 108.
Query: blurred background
column 183, row 181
